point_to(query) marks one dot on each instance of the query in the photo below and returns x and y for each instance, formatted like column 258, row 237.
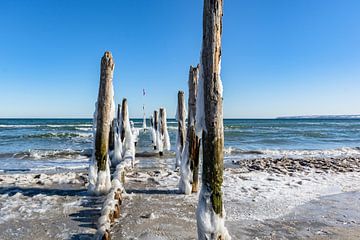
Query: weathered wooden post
column 103, row 123
column 162, row 128
column 112, row 135
column 193, row 140
column 181, row 133
column 117, row 154
column 155, row 127
column 210, row 211
column 118, row 116
column 124, row 116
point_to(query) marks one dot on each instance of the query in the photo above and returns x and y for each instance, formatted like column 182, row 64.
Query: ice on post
column 210, row 210
column 99, row 171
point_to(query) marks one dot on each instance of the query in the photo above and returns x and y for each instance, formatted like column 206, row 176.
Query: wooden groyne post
column 162, row 127
column 124, row 116
column 118, row 116
column 156, row 124
column 104, row 120
column 181, row 134
column 99, row 172
column 193, row 140
column 210, row 198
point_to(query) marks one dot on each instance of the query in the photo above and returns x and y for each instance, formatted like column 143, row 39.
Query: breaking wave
column 37, row 154
column 276, row 153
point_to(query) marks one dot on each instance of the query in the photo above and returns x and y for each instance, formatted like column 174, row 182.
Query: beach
column 259, row 204
column 269, row 193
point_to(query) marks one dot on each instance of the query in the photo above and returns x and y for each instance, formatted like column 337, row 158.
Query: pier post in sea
column 181, row 133
column 124, row 116
column 164, row 135
column 104, row 119
column 191, row 138
column 118, row 115
column 156, row 124
column 210, row 211
column 161, row 128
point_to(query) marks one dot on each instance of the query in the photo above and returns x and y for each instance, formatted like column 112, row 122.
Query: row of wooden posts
column 208, row 119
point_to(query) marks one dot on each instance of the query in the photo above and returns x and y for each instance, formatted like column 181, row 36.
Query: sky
column 279, row 57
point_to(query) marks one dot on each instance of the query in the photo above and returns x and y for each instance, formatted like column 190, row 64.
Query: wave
column 59, row 135
column 295, row 153
column 37, row 154
column 45, row 125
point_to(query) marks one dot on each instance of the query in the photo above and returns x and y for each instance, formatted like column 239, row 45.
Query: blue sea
column 43, row 145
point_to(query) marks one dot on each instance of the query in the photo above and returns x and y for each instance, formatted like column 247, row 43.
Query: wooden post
column 118, row 117
column 193, row 140
column 210, row 198
column 162, row 127
column 181, row 127
column 104, row 111
column 155, row 125
column 124, row 116
column 112, row 135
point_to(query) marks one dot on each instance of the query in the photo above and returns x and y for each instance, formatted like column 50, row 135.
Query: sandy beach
column 259, row 204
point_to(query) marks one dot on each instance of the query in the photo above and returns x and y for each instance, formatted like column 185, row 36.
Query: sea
column 53, row 145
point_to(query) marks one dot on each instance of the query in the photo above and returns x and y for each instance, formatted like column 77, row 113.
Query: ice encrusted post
column 99, row 176
column 181, row 133
column 124, row 116
column 210, row 211
column 164, row 134
column 194, row 141
column 190, row 156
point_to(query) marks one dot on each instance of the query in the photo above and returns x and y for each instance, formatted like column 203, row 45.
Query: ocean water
column 39, row 145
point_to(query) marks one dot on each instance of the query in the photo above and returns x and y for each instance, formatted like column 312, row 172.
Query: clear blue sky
column 279, row 57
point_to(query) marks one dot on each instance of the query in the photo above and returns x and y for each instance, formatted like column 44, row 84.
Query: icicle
column 159, row 141
column 117, row 149
column 103, row 182
column 200, row 107
column 166, row 137
column 178, row 150
column 208, row 222
column 92, row 174
column 185, row 172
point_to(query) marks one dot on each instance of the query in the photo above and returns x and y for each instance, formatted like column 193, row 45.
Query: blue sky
column 279, row 57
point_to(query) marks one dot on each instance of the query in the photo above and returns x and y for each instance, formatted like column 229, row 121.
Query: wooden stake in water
column 162, row 128
column 118, row 117
column 211, row 197
column 104, row 102
column 193, row 140
column 124, row 116
column 156, row 119
column 112, row 135
column 181, row 134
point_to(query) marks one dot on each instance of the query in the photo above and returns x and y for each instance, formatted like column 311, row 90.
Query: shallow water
column 63, row 144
